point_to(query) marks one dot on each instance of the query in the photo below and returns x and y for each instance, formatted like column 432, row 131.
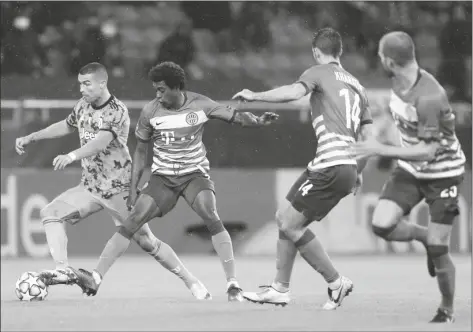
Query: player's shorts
column 315, row 194
column 441, row 195
column 166, row 190
column 78, row 203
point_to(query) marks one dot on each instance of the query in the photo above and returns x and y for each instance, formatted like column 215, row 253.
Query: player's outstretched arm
column 421, row 152
column 55, row 130
column 366, row 134
column 282, row 94
column 248, row 119
column 98, row 144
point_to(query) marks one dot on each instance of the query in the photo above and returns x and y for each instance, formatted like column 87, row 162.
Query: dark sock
column 403, row 232
column 115, row 247
column 312, row 251
column 446, row 280
column 286, row 255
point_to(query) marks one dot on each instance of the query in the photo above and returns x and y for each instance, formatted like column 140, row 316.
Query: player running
column 174, row 123
column 103, row 124
column 340, row 115
column 430, row 164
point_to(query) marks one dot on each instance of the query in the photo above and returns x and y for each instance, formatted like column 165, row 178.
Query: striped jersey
column 177, row 134
column 109, row 172
column 424, row 114
column 339, row 107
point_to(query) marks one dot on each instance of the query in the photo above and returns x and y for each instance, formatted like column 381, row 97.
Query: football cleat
column 234, row 292
column 443, row 316
column 199, row 291
column 87, row 281
column 336, row 296
column 268, row 295
column 58, row 277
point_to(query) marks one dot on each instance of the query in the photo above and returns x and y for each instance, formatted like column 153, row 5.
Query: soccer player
column 430, row 163
column 103, row 124
column 174, row 123
column 340, row 115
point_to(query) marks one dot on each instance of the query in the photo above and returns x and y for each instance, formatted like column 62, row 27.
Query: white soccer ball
column 29, row 287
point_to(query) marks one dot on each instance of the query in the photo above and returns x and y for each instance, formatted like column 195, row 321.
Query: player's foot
column 269, row 295
column 234, row 292
column 336, row 296
column 199, row 291
column 88, row 281
column 58, row 277
column 430, row 263
column 442, row 316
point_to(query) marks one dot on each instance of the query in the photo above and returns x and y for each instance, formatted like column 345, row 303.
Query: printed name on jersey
column 179, row 120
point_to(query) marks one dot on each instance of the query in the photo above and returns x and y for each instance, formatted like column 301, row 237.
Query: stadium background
column 224, row 47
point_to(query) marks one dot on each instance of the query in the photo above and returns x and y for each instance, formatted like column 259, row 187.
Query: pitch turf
column 391, row 293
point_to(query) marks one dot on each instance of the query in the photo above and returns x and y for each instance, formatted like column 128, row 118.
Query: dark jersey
column 339, row 106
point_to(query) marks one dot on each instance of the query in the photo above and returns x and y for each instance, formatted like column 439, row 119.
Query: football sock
column 222, row 243
column 115, row 247
column 285, row 257
column 403, row 231
column 167, row 257
column 446, row 280
column 57, row 241
column 312, row 251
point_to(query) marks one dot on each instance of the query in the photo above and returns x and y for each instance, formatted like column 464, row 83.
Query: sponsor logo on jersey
column 86, row 134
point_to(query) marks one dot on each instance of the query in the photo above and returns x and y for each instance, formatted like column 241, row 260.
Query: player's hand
column 268, row 118
column 61, row 161
column 245, row 95
column 358, row 183
column 365, row 149
column 132, row 197
column 21, row 143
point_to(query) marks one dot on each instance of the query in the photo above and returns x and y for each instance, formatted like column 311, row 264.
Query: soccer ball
column 30, row 287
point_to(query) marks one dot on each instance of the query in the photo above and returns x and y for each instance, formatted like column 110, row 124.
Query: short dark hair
column 329, row 41
column 171, row 73
column 93, row 68
column 398, row 46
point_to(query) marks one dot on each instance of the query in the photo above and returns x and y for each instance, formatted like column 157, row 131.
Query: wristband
column 72, row 155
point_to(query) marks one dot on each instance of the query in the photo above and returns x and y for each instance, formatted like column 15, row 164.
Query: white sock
column 335, row 284
column 279, row 287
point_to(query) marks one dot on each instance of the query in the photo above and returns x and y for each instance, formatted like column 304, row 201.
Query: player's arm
column 366, row 134
column 94, row 146
column 143, row 133
column 287, row 93
column 58, row 129
column 231, row 115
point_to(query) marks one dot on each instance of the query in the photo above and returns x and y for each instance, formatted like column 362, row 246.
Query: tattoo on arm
column 247, row 119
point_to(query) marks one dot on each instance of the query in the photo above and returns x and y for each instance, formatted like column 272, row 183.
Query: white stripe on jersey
column 179, row 120
column 157, row 170
column 180, row 161
column 330, row 146
column 172, row 156
column 197, row 146
column 419, row 175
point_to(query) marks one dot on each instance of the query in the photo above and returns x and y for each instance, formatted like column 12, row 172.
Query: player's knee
column 49, row 214
column 147, row 241
column 436, row 251
column 214, row 226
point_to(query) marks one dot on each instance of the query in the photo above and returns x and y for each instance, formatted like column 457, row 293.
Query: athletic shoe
column 234, row 292
column 58, row 277
column 199, row 291
column 268, row 295
column 336, row 296
column 443, row 316
column 88, row 281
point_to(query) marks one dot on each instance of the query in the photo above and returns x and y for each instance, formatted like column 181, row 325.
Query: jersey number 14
column 352, row 111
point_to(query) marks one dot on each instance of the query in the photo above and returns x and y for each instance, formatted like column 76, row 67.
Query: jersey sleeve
column 214, row 110
column 115, row 120
column 72, row 118
column 429, row 111
column 310, row 79
column 144, row 130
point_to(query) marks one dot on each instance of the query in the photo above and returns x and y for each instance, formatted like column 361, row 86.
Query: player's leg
column 71, row 206
column 400, row 194
column 156, row 248
column 442, row 198
column 200, row 195
column 145, row 209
